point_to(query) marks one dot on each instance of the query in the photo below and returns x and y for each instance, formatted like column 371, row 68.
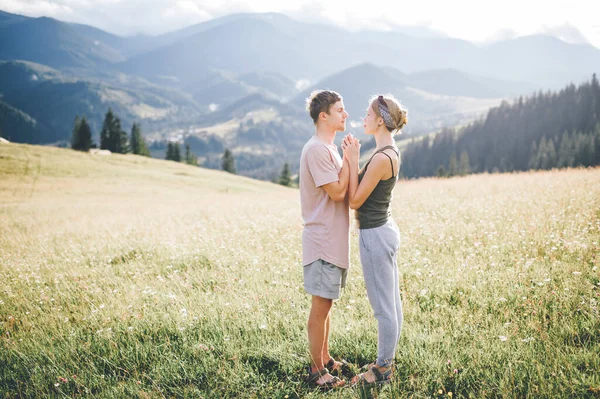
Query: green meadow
column 129, row 277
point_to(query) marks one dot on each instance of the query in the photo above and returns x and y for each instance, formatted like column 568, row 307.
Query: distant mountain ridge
column 54, row 100
column 18, row 125
column 53, row 43
column 453, row 82
column 359, row 83
column 234, row 81
column 243, row 43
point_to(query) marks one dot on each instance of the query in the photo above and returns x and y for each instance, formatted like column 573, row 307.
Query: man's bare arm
column 337, row 190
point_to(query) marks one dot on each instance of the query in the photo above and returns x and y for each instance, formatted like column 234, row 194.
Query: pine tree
column 190, row 158
column 533, row 157
column 464, row 164
column 117, row 138
column 82, row 139
column 112, row 137
column 75, row 133
column 597, row 145
column 586, row 155
column 566, row 155
column 169, row 154
column 109, row 119
column 596, row 96
column 551, row 154
column 285, row 179
column 228, row 162
column 593, row 145
column 135, row 139
column 138, row 144
column 176, row 152
column 441, row 171
column 547, row 154
column 453, row 165
column 187, row 153
column 577, row 148
column 542, row 157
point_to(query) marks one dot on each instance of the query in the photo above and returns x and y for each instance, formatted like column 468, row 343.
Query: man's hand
column 351, row 148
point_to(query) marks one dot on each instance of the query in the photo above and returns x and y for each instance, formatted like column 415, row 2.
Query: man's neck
column 326, row 136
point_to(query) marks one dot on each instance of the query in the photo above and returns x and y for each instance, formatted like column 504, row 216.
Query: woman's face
column 370, row 121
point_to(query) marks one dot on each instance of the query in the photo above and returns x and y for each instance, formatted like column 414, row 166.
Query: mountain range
column 224, row 72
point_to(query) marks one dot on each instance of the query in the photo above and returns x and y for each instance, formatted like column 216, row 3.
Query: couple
column 328, row 186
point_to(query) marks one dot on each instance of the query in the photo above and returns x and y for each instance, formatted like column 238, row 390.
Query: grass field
column 129, row 277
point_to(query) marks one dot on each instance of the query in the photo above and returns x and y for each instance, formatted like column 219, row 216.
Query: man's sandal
column 333, row 383
column 341, row 367
column 380, row 378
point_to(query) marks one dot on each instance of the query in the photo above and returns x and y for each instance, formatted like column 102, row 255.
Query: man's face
column 337, row 116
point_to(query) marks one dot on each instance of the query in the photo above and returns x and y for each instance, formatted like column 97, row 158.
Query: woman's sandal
column 341, row 367
column 333, row 383
column 380, row 378
column 368, row 367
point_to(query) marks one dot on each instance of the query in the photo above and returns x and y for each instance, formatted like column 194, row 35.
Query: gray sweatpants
column 378, row 249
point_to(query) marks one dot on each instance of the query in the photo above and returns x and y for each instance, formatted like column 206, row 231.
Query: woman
column 370, row 194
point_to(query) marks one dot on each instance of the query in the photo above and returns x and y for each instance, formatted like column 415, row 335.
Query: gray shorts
column 324, row 279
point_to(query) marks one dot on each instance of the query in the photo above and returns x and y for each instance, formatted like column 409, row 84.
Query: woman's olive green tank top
column 375, row 211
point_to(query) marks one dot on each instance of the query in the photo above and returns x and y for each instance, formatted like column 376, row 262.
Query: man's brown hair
column 321, row 101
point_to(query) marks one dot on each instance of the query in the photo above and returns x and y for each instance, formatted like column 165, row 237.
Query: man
column 325, row 238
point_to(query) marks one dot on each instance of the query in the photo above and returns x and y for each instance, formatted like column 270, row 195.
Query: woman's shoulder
column 387, row 153
column 382, row 160
column 379, row 160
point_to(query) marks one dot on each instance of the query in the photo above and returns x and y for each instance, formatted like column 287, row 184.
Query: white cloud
column 302, row 84
column 467, row 19
column 501, row 35
column 38, row 8
column 186, row 9
column 565, row 32
column 190, row 6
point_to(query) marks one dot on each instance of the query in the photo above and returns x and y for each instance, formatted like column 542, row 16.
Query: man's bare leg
column 325, row 355
column 318, row 334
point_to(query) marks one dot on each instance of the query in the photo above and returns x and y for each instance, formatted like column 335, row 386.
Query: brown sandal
column 341, row 367
column 312, row 379
column 380, row 378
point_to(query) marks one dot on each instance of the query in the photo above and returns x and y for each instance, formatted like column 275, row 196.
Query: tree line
column 544, row 131
column 114, row 139
column 174, row 154
column 228, row 165
column 112, row 136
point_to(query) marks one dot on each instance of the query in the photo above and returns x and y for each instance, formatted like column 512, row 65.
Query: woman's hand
column 351, row 148
column 345, row 144
column 348, row 141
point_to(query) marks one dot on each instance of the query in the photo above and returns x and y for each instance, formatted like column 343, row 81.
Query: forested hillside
column 543, row 131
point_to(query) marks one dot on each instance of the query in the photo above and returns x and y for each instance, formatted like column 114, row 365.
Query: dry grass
column 127, row 276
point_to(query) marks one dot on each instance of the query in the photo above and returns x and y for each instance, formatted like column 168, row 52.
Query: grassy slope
column 127, row 276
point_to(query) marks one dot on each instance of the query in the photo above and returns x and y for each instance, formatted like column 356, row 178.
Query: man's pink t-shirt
column 326, row 233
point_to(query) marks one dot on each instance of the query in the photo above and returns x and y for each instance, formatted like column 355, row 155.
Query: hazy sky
column 474, row 20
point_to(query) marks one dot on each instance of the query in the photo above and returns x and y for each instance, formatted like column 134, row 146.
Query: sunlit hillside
column 125, row 276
